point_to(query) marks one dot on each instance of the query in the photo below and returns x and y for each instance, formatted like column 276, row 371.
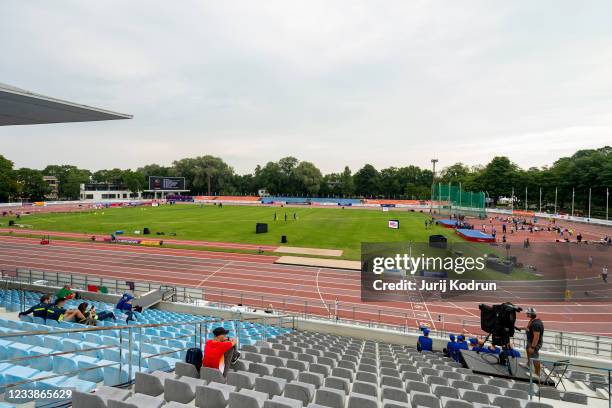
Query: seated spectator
column 39, row 310
column 424, row 343
column 450, row 346
column 461, row 345
column 219, row 350
column 88, row 319
column 58, row 313
column 125, row 305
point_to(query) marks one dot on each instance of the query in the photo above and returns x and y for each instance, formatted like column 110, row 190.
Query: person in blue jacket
column 451, row 346
column 125, row 305
column 461, row 345
column 424, row 343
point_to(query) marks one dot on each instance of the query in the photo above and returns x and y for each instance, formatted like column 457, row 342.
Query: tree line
column 209, row 175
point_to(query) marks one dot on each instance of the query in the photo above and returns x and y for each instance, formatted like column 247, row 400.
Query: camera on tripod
column 498, row 321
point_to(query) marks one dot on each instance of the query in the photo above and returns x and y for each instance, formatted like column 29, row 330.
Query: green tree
column 8, row 181
column 32, row 186
column 367, row 181
column 308, row 178
column 70, row 178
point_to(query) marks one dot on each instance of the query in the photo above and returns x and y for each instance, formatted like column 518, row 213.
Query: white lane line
column 212, row 274
column 319, row 291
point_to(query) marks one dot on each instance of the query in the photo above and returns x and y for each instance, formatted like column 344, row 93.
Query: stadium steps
column 150, row 341
column 312, row 370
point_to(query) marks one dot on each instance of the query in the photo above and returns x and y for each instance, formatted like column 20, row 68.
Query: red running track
column 256, row 281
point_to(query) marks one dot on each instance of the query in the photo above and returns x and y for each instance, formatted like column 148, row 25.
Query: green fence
column 450, row 198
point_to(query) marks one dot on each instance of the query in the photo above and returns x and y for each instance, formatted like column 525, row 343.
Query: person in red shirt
column 219, row 350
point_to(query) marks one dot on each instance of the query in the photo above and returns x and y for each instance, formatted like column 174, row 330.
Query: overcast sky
column 337, row 83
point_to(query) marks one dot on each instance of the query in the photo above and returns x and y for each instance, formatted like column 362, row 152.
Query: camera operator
column 535, row 335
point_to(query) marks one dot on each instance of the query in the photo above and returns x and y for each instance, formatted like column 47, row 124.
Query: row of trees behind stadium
column 575, row 175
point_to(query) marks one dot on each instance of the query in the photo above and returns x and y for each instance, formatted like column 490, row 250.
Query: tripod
column 503, row 358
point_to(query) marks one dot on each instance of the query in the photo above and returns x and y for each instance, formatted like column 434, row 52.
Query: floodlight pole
column 433, row 183
column 607, row 200
column 540, row 199
column 573, row 195
column 525, row 198
column 589, row 203
column 555, row 200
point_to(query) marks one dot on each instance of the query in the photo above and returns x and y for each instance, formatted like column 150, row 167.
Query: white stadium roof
column 21, row 107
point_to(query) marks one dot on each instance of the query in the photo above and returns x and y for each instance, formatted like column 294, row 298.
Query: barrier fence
column 571, row 344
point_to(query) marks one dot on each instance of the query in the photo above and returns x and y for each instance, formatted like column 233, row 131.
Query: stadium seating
column 84, row 365
column 302, row 369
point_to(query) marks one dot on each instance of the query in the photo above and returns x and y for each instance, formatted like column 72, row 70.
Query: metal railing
column 556, row 372
column 128, row 334
column 571, row 344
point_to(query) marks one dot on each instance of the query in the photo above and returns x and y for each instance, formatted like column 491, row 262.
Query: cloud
column 336, row 83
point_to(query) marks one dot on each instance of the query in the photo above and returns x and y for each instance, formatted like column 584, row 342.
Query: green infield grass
column 331, row 228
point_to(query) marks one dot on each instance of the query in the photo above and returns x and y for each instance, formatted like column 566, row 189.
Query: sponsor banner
column 394, row 224
column 149, row 243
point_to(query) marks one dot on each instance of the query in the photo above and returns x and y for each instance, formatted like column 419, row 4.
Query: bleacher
column 279, row 367
column 85, row 357
column 303, row 369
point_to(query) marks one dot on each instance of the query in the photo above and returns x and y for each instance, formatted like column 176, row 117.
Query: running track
column 256, row 281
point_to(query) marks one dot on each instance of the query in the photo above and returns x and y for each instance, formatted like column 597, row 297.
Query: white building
column 106, row 191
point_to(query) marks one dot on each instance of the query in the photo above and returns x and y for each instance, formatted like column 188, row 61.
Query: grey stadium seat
column 300, row 391
column 137, row 401
column 417, row 386
column 181, row 389
column 365, row 388
column 298, row 365
column 288, row 374
column 311, row 378
column 100, row 398
column 366, row 377
column 506, row 402
column 394, row 394
column 276, row 361
column 241, row 380
column 410, row 376
column 489, row 389
column 444, row 391
column 211, row 375
column 534, row 404
column 462, row 385
column 475, row 396
column 330, row 397
column 362, row 401
column 520, row 394
column 270, row 385
column 391, row 382
column 422, row 399
column 261, row 369
column 574, row 397
column 338, row 384
column 213, row 395
column 182, row 369
column 455, row 403
column 153, row 384
column 247, row 399
column 282, row 402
